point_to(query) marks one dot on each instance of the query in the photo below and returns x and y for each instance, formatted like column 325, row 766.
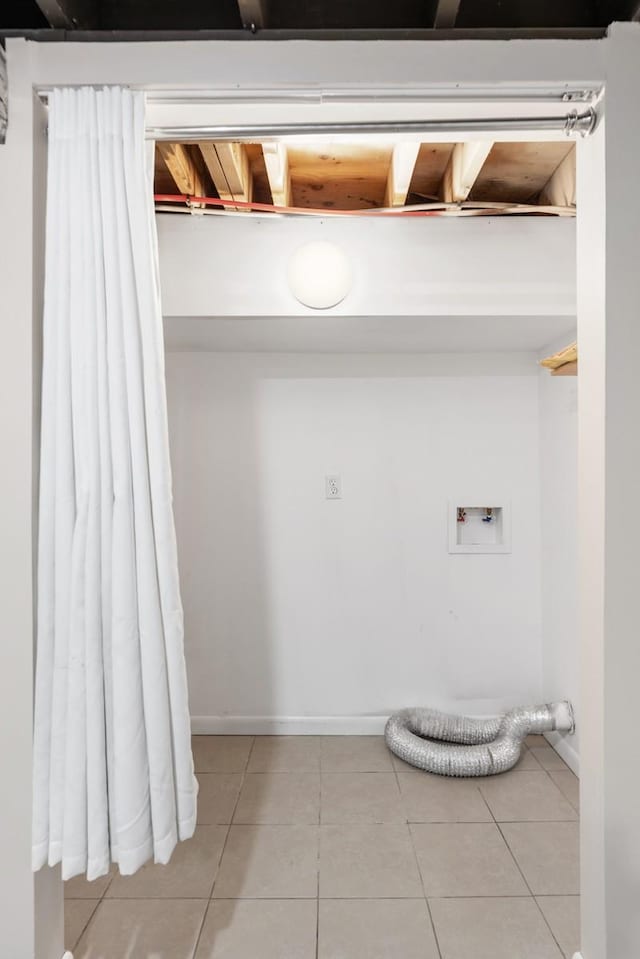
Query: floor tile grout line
column 485, row 801
column 417, row 862
column 570, row 801
column 531, row 893
column 233, row 812
column 524, row 878
column 200, row 930
column 106, row 888
column 513, row 895
column 548, row 925
column 244, row 774
column 319, row 837
column 403, row 809
column 562, row 952
column 86, row 925
column 426, row 898
column 93, row 914
column 219, row 863
column 561, row 791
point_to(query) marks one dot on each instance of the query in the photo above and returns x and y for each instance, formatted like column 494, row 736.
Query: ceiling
column 573, row 17
column 451, row 178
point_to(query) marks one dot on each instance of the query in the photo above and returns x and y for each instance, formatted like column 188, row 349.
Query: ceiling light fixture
column 319, row 275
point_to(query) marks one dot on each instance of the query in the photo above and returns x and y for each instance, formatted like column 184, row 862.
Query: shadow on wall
column 218, row 512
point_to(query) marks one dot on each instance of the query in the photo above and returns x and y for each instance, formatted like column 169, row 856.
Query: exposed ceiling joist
column 403, row 161
column 182, row 167
column 446, row 14
column 475, row 177
column 560, row 189
column 465, row 163
column 228, row 164
column 277, row 164
column 70, row 14
column 568, row 369
column 253, row 14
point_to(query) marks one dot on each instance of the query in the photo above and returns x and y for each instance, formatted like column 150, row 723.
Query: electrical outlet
column 333, row 487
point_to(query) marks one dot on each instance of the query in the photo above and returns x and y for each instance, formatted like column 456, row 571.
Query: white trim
column 371, row 725
column 288, row 725
column 564, row 748
column 577, row 955
column 68, row 955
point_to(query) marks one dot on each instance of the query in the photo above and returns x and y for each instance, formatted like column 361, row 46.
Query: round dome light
column 319, row 275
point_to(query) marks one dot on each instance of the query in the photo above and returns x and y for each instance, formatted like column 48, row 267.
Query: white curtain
column 113, row 773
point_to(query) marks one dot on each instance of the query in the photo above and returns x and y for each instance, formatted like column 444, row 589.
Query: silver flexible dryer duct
column 461, row 746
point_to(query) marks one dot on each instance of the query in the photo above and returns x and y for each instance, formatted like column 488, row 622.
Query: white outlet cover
column 333, row 487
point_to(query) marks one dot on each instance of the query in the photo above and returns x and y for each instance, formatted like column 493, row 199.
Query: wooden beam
column 567, row 369
column 465, row 163
column 560, row 188
column 401, row 167
column 446, row 14
column 70, row 14
column 228, row 164
column 253, row 14
column 181, row 166
column 277, row 164
column 562, row 358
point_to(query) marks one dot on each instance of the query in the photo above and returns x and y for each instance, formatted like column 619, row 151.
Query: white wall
column 301, row 607
column 472, row 266
column 16, row 880
column 280, row 586
column 559, row 515
column 30, row 908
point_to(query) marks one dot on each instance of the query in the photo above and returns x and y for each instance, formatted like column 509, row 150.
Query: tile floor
column 331, row 848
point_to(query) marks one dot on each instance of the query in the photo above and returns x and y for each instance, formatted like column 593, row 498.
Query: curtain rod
column 570, row 123
column 190, row 96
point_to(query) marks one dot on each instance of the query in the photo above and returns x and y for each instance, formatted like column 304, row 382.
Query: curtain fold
column 113, row 772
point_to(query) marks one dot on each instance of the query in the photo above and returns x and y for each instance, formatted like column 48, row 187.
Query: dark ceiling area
column 310, row 17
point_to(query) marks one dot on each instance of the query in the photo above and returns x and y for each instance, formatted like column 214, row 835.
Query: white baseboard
column 288, row 725
column 564, row 747
column 330, row 726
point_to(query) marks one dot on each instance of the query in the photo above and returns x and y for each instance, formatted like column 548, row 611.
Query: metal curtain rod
column 433, row 94
column 583, row 123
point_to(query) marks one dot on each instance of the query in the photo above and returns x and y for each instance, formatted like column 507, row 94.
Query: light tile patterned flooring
column 331, row 848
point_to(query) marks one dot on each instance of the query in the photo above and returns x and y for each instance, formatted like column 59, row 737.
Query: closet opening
column 375, row 501
column 374, row 482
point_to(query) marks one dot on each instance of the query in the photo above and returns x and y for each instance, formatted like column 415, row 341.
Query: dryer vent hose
column 461, row 746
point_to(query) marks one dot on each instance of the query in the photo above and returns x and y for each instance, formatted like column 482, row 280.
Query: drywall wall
column 559, row 517
column 304, row 614
column 473, row 266
column 31, row 919
column 16, row 879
